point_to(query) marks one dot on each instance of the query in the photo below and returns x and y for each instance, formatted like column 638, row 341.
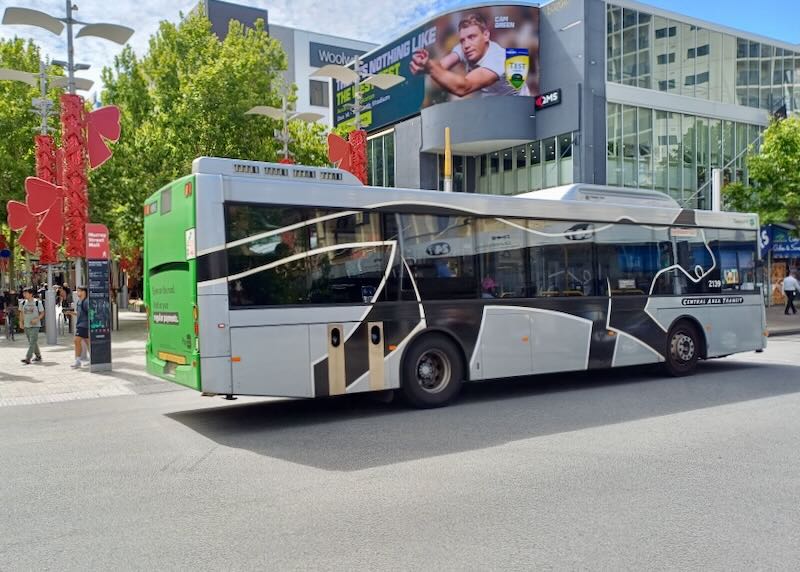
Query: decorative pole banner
column 46, row 170
column 102, row 125
column 43, row 211
column 358, row 154
column 75, row 183
column 349, row 155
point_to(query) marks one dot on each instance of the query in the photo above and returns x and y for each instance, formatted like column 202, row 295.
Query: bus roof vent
column 330, row 175
column 605, row 195
column 304, row 173
column 240, row 167
column 273, row 171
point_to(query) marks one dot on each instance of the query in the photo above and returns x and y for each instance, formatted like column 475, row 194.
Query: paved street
column 622, row 470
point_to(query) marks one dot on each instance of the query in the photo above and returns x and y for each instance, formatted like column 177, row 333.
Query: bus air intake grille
column 330, row 176
column 276, row 171
column 304, row 174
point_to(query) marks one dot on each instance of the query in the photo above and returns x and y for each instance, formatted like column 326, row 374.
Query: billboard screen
column 480, row 52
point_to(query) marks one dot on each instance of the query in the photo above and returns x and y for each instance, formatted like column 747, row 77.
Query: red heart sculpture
column 339, row 152
column 102, row 125
column 20, row 218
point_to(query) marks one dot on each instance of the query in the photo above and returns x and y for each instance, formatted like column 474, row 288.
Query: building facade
column 634, row 96
column 306, row 52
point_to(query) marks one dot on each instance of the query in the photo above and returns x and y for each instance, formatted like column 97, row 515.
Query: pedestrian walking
column 31, row 316
column 81, row 314
column 790, row 287
column 9, row 304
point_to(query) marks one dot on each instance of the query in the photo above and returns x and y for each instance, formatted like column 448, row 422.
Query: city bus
column 268, row 279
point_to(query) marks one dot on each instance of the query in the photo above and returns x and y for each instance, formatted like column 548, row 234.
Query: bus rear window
column 166, row 201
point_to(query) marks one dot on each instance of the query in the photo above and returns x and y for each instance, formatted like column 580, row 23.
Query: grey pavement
column 779, row 324
column 53, row 380
column 621, row 470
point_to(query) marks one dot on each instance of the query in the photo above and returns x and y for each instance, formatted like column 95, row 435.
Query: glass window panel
column 674, row 45
column 692, row 251
column 440, row 251
column 629, row 257
column 509, row 182
column 521, row 158
column 715, row 138
column 703, row 65
column 380, row 159
column 628, row 18
column 689, row 175
column 536, row 165
column 614, row 43
column 741, row 48
column 388, row 146
column 614, row 144
column 661, row 150
column 754, row 49
column 727, row 77
column 767, row 51
column 459, row 173
column 495, row 179
column 565, row 159
column 550, row 164
column 561, row 265
column 662, row 54
column 503, row 259
column 674, row 122
column 766, row 73
column 645, row 148
column 737, row 259
column 629, row 146
column 727, row 142
column 689, row 44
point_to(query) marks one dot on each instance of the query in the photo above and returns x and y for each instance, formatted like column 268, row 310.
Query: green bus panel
column 170, row 283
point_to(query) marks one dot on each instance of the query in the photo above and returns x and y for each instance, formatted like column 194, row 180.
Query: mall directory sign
column 496, row 47
column 97, row 255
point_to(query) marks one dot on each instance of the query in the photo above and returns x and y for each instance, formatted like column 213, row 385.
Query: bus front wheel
column 683, row 349
column 432, row 372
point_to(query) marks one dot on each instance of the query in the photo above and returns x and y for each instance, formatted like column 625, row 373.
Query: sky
column 358, row 19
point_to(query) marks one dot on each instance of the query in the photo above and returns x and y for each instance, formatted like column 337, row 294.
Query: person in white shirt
column 790, row 287
column 484, row 60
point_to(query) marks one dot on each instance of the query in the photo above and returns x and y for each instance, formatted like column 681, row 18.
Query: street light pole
column 70, row 50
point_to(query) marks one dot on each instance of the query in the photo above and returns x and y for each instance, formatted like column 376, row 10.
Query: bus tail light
column 196, row 317
column 187, row 189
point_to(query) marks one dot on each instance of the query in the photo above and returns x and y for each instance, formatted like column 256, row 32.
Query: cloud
column 372, row 20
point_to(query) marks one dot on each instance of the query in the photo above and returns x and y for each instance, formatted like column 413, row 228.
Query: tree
column 775, row 173
column 186, row 98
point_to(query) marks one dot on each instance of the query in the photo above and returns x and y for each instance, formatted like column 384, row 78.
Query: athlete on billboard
column 484, row 60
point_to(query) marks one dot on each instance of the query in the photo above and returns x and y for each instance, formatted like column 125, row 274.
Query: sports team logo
column 517, row 65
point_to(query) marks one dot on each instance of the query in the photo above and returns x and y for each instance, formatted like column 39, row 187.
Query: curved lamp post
column 285, row 115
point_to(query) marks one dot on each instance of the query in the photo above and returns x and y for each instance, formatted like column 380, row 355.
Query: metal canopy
column 306, row 116
column 17, row 75
column 343, row 74
column 271, row 112
column 114, row 32
column 28, row 17
column 80, row 83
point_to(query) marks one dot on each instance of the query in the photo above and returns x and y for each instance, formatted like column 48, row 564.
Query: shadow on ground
column 356, row 432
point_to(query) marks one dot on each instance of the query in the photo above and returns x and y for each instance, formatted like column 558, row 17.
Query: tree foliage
column 186, row 98
column 775, row 176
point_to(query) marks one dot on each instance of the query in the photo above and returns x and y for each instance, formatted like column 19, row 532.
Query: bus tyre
column 683, row 349
column 432, row 372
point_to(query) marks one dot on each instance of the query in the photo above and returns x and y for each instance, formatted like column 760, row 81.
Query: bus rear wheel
column 432, row 372
column 683, row 349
